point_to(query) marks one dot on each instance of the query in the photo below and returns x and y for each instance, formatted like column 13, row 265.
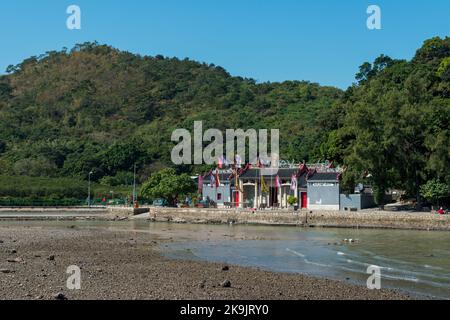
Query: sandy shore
column 129, row 265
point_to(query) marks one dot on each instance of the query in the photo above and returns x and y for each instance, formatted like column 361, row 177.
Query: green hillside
column 94, row 107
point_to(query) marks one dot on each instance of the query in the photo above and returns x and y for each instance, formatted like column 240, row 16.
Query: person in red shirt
column 441, row 211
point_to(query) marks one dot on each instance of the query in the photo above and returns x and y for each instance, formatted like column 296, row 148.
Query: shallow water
column 414, row 261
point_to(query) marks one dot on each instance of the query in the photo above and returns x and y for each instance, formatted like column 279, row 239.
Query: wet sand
column 130, row 265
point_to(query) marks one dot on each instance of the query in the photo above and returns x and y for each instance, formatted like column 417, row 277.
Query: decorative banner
column 294, row 183
column 277, row 182
column 237, row 184
column 264, row 188
column 238, row 161
column 217, row 179
column 213, row 180
column 200, row 184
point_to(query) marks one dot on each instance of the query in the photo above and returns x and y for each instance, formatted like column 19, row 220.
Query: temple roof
column 324, row 176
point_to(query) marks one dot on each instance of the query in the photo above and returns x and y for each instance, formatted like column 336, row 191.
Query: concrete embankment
column 361, row 219
column 68, row 213
column 340, row 219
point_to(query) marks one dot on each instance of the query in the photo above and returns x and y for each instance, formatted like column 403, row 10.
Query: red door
column 236, row 199
column 304, row 200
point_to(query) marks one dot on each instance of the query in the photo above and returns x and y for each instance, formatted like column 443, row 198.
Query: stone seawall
column 361, row 219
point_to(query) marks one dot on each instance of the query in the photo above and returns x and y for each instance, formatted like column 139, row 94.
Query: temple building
column 262, row 188
column 308, row 187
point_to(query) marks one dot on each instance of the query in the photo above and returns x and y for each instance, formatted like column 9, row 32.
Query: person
column 441, row 211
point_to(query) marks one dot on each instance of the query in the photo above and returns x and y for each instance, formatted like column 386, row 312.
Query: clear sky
column 322, row 41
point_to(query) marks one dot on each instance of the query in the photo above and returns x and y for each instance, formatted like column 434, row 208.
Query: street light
column 89, row 189
column 134, row 186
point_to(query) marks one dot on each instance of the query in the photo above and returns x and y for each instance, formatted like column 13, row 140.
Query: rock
column 1, row 241
column 13, row 251
column 6, row 271
column 51, row 258
column 202, row 284
column 226, row 284
column 60, row 296
column 15, row 260
column 225, row 268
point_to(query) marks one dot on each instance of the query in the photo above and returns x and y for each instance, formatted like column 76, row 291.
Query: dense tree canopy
column 395, row 122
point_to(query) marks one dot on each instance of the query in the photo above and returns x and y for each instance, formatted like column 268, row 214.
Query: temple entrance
column 273, row 200
column 304, row 200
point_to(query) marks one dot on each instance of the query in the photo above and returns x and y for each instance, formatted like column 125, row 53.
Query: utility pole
column 134, row 185
column 89, row 189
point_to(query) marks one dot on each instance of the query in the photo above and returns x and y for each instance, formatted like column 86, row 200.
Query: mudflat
column 130, row 265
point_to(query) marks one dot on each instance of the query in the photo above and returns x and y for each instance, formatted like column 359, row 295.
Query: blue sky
column 321, row 41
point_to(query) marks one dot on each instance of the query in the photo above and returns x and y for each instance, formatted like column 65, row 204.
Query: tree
column 434, row 191
column 394, row 128
column 166, row 184
column 365, row 72
column 433, row 50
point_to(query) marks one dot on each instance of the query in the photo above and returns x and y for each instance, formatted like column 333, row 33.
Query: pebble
column 6, row 271
column 351, row 240
column 60, row 296
column 225, row 268
column 51, row 258
column 226, row 284
column 16, row 260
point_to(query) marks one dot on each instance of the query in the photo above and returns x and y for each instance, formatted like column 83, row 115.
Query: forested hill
column 393, row 126
column 95, row 107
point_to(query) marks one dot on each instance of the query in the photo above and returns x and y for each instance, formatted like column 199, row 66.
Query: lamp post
column 89, row 188
column 134, row 185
